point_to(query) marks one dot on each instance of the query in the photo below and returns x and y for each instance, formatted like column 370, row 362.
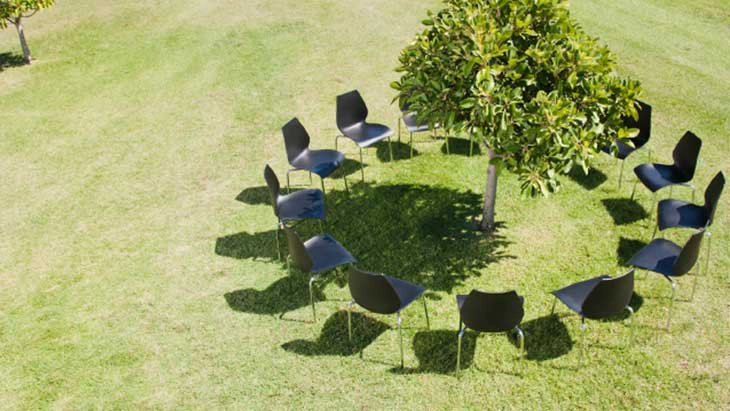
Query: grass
column 137, row 258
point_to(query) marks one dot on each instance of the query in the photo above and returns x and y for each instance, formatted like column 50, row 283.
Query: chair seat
column 367, row 134
column 574, row 295
column 407, row 292
column 326, row 253
column 624, row 150
column 409, row 119
column 301, row 205
column 657, row 256
column 656, row 176
column 320, row 162
column 676, row 213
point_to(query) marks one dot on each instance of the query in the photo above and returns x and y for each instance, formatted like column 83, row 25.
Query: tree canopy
column 523, row 77
column 13, row 9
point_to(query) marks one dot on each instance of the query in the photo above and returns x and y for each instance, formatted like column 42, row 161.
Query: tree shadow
column 285, row 294
column 624, row 210
column 9, row 60
column 589, row 181
column 419, row 233
column 546, row 338
column 627, row 248
column 436, row 351
column 460, row 146
column 334, row 340
column 401, row 151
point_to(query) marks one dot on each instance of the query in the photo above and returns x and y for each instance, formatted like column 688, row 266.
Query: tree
column 14, row 11
column 523, row 78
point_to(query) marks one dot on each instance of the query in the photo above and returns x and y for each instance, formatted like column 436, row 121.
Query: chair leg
column 349, row 320
column 311, row 299
column 694, row 285
column 633, row 191
column 707, row 259
column 425, row 309
column 621, row 175
column 656, row 226
column 324, row 193
column 521, row 340
column 344, row 178
column 288, row 186
column 410, row 143
column 336, row 139
column 670, row 191
column 671, row 303
column 310, row 178
column 278, row 247
column 458, row 346
column 552, row 311
column 390, row 150
column 630, row 321
column 582, row 338
column 400, row 337
column 362, row 166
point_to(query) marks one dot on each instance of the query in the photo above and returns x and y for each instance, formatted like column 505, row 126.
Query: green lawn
column 137, row 261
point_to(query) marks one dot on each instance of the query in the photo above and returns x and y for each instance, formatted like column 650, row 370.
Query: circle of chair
column 596, row 298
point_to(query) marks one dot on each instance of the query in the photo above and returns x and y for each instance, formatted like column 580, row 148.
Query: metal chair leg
column 278, row 247
column 362, row 166
column 425, row 309
column 582, row 338
column 521, row 340
column 310, row 178
column 694, row 285
column 390, row 150
column 621, row 175
column 633, row 191
column 671, row 303
column 709, row 245
column 324, row 193
column 344, row 178
column 552, row 311
column 630, row 321
column 288, row 186
column 311, row 298
column 349, row 320
column 410, row 143
column 458, row 347
column 400, row 336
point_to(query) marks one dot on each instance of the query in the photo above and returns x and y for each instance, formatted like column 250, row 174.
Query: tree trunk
column 23, row 44
column 490, row 195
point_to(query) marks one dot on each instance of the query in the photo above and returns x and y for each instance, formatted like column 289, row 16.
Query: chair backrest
column 689, row 254
column 372, row 291
column 274, row 187
column 686, row 153
column 643, row 123
column 296, row 139
column 609, row 297
column 492, row 312
column 351, row 109
column 297, row 251
column 712, row 195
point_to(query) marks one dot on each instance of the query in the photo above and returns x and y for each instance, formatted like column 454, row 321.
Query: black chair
column 413, row 126
column 382, row 294
column 318, row 254
column 657, row 176
column 597, row 298
column 351, row 115
column 320, row 162
column 670, row 260
column 490, row 312
column 623, row 150
column 297, row 206
column 676, row 213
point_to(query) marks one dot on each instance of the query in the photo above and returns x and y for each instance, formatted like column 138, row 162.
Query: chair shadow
column 436, row 351
column 546, row 338
column 334, row 340
column 624, row 211
column 428, row 239
column 283, row 295
column 9, row 60
column 627, row 248
column 401, row 151
column 636, row 302
column 460, row 146
column 589, row 181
